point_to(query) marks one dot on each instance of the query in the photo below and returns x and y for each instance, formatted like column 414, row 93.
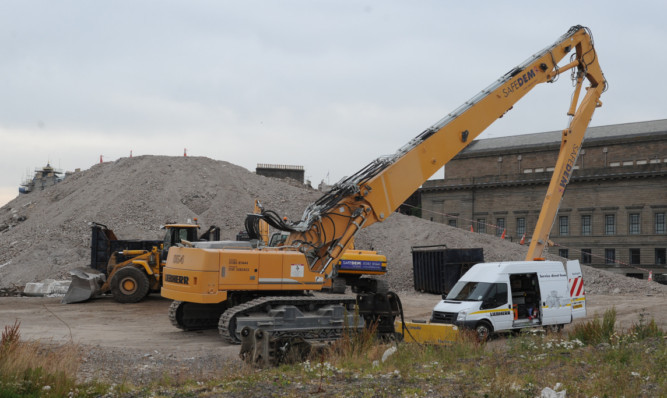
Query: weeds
column 596, row 331
column 645, row 329
column 520, row 366
column 33, row 370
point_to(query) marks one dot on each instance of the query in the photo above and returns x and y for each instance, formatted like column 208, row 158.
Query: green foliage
column 596, row 331
column 29, row 370
column 645, row 329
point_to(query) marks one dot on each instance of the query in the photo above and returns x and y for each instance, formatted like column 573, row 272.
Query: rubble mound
column 46, row 233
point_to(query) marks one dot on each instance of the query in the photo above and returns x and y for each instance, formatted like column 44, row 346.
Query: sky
column 327, row 85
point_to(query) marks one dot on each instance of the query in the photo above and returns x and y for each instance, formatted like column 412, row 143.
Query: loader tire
column 129, row 285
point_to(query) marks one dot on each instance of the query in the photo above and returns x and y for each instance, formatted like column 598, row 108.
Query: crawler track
column 192, row 316
column 262, row 305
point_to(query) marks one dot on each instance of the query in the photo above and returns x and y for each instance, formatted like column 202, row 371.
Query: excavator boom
column 373, row 193
column 257, row 294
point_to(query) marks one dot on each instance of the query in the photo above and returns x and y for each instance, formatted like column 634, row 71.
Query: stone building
column 282, row 171
column 613, row 214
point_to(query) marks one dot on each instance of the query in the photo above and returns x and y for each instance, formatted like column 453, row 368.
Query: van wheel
column 129, row 285
column 484, row 330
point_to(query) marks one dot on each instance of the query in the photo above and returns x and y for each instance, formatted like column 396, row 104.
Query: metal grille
column 444, row 317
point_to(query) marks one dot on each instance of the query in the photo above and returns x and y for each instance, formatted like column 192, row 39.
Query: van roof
column 488, row 272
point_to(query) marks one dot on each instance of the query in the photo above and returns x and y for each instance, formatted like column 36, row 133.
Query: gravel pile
column 45, row 234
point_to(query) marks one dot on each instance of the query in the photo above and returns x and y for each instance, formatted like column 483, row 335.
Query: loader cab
column 177, row 233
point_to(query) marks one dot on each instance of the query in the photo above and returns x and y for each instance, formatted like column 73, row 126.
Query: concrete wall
column 281, row 171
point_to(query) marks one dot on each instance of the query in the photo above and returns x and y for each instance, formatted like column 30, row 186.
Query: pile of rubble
column 47, row 233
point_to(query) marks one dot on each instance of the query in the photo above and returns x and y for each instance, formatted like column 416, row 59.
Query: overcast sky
column 329, row 85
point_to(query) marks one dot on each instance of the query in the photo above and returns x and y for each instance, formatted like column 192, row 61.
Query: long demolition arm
column 373, row 193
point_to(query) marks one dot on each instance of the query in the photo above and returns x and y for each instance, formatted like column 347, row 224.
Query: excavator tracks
column 273, row 330
column 193, row 316
column 310, row 317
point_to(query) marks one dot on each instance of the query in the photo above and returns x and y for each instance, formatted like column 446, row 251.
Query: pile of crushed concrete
column 46, row 233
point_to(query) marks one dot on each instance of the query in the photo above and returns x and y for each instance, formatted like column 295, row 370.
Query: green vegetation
column 595, row 360
column 33, row 370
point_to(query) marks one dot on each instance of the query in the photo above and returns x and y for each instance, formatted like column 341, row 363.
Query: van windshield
column 469, row 291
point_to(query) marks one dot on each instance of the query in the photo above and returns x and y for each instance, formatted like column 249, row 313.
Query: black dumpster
column 436, row 269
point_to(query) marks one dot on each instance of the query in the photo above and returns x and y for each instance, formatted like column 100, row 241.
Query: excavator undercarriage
column 274, row 330
column 277, row 328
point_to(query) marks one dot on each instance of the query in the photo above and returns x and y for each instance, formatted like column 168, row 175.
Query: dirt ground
column 136, row 342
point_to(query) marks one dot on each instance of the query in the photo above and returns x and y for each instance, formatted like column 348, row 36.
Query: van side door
column 555, row 298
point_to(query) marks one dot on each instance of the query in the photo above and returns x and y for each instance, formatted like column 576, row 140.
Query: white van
column 495, row 297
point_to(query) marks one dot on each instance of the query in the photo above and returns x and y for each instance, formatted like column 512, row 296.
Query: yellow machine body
column 205, row 275
column 428, row 333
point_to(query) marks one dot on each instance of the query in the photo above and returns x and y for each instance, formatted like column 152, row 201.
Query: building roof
column 600, row 134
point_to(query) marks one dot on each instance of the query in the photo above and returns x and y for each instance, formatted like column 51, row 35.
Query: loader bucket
column 85, row 285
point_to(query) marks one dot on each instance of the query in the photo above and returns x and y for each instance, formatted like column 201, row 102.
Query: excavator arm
column 328, row 226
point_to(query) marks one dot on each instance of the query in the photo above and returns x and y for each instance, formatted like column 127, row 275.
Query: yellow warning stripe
column 489, row 311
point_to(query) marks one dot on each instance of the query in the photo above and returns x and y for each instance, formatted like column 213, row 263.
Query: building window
column 660, row 257
column 563, row 226
column 563, row 253
column 659, row 223
column 500, row 226
column 452, row 223
column 481, row 225
column 520, row 226
column 633, row 224
column 635, row 256
column 586, row 225
column 586, row 256
column 609, row 256
column 610, row 224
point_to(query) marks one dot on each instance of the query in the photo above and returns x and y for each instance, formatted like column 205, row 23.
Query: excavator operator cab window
column 278, row 239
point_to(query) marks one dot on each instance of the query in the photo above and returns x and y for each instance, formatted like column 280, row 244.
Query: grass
column 595, row 359
column 29, row 369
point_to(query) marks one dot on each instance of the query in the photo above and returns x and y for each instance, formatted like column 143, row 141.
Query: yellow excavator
column 351, row 268
column 263, row 295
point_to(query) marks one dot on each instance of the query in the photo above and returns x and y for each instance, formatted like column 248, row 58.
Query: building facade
column 613, row 214
column 281, row 171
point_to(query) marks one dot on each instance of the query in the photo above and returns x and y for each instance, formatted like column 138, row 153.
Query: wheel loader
column 129, row 269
